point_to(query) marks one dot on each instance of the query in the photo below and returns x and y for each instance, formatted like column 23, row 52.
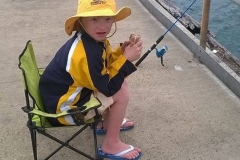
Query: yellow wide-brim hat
column 92, row 8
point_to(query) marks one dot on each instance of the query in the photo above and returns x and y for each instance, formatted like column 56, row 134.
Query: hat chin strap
column 81, row 24
column 115, row 27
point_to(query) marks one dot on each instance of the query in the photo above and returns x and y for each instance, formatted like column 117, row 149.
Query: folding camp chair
column 37, row 118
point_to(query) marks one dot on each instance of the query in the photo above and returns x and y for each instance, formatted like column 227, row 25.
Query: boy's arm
column 108, row 80
column 114, row 54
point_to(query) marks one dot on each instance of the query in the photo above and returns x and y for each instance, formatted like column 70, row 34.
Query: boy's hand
column 133, row 51
column 124, row 45
column 134, row 39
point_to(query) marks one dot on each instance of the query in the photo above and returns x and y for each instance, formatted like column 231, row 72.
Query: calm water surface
column 224, row 21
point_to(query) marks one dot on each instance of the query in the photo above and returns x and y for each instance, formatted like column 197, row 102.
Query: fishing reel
column 161, row 52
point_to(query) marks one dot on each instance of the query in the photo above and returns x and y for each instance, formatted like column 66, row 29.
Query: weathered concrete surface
column 181, row 111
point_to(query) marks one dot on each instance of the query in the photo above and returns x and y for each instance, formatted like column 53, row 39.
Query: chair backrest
column 28, row 65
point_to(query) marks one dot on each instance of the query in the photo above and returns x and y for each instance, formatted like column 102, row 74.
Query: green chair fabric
column 37, row 117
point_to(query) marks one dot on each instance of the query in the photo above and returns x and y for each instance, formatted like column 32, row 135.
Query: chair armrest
column 48, row 115
column 93, row 103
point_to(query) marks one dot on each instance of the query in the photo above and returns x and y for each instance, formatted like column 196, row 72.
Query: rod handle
column 142, row 58
column 146, row 54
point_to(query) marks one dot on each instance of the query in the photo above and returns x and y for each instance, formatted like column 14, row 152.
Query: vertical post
column 204, row 23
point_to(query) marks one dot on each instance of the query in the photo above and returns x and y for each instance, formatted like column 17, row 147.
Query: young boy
column 87, row 65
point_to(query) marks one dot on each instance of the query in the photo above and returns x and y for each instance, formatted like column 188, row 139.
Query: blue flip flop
column 103, row 131
column 117, row 156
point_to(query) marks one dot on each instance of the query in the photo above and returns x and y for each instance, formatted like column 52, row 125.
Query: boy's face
column 97, row 27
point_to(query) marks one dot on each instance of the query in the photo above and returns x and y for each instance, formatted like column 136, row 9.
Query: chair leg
column 34, row 142
column 66, row 143
column 95, row 140
column 95, row 143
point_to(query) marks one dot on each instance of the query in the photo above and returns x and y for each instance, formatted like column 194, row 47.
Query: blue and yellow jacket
column 80, row 67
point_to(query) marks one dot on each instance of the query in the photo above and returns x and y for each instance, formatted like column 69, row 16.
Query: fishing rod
column 159, row 54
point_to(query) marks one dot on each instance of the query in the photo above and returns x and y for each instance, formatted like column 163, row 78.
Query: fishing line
column 162, row 36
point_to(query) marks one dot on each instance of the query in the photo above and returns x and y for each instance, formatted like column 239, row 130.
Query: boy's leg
column 112, row 143
column 128, row 123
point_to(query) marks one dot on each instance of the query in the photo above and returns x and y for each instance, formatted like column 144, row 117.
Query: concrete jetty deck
column 182, row 111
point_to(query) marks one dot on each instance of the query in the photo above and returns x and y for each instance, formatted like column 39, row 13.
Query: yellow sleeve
column 114, row 54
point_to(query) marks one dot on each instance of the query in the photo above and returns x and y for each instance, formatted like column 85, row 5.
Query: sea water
column 224, row 21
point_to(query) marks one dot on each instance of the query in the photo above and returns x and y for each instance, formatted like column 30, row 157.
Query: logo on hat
column 96, row 2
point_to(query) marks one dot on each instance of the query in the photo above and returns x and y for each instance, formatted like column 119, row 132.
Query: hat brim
column 119, row 15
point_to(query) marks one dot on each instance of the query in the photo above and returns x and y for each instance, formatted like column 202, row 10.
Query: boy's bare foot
column 127, row 123
column 116, row 148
